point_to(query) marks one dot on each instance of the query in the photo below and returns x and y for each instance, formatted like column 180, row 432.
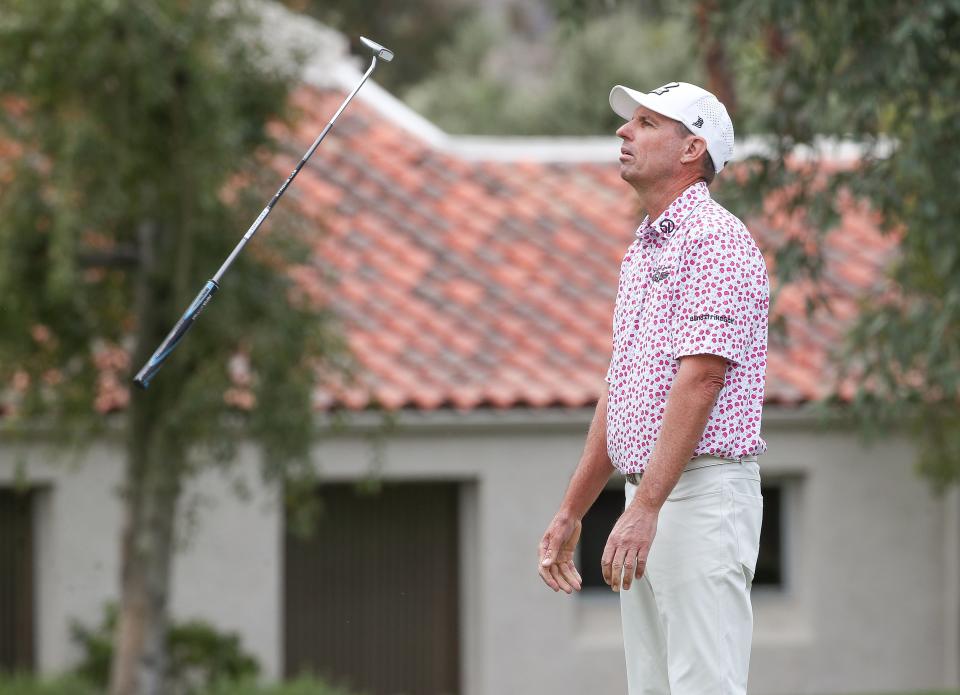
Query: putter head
column 378, row 50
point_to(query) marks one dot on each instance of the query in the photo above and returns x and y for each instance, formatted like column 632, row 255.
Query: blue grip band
column 143, row 377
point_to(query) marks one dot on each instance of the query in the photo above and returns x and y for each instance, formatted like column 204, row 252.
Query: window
column 770, row 560
column 597, row 524
column 599, row 521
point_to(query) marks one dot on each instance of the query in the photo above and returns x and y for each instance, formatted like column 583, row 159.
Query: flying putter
column 149, row 370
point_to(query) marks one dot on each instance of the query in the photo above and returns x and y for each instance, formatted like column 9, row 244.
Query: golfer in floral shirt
column 681, row 415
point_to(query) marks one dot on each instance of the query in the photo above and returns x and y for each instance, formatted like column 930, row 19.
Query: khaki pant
column 688, row 623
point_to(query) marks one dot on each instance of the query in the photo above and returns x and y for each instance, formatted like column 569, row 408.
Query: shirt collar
column 676, row 212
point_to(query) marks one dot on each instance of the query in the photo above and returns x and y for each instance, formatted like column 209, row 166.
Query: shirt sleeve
column 713, row 307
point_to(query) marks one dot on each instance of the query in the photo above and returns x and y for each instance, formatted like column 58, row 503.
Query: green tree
column 128, row 135
column 886, row 76
column 414, row 30
column 476, row 93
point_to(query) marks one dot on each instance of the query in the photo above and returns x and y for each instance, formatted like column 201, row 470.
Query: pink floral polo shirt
column 692, row 282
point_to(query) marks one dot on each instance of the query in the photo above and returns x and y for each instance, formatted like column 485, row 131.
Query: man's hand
column 556, row 555
column 628, row 545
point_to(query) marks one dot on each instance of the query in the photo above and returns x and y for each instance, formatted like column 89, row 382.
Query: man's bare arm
column 556, row 548
column 594, row 468
column 692, row 397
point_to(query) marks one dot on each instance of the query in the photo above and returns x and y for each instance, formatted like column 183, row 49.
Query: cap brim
column 624, row 101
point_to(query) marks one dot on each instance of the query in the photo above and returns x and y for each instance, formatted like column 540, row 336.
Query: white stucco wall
column 871, row 600
column 867, row 603
column 227, row 572
column 75, row 569
column 867, row 608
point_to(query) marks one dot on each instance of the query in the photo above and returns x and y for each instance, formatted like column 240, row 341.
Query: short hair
column 707, row 171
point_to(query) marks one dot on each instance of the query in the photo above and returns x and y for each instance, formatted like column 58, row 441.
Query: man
column 681, row 415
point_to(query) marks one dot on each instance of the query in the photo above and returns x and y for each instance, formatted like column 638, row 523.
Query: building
column 475, row 280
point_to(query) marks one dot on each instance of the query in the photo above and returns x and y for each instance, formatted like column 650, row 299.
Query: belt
column 702, row 461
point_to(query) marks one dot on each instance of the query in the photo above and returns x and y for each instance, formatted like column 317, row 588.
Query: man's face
column 651, row 148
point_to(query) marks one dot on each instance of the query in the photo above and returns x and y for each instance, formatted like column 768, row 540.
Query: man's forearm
column 594, row 468
column 689, row 403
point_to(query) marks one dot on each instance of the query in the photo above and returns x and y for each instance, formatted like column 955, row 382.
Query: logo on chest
column 660, row 274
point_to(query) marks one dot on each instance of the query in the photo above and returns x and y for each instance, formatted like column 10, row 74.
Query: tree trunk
column 719, row 77
column 150, row 492
column 140, row 655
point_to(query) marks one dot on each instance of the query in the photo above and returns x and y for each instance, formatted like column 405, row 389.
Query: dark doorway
column 371, row 598
column 16, row 580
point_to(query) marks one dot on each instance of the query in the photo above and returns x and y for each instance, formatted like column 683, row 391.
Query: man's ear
column 693, row 148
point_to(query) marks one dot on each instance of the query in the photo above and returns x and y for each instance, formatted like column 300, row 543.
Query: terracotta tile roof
column 802, row 362
column 462, row 283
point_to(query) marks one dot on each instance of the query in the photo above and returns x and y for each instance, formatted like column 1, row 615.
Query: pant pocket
column 747, row 519
column 697, row 483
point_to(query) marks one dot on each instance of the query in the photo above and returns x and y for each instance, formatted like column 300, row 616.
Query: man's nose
column 623, row 131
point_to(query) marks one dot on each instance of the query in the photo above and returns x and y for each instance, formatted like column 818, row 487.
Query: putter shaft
column 179, row 331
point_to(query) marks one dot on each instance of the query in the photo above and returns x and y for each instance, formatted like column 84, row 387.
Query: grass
column 73, row 685
column 924, row 692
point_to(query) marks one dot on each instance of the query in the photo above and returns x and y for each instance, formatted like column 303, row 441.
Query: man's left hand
column 628, row 546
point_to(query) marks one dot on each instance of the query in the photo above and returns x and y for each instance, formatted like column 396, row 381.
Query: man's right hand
column 556, row 555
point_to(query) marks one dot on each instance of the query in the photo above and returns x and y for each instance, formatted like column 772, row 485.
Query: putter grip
column 143, row 377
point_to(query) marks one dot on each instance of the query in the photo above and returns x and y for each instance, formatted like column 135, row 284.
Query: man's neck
column 655, row 201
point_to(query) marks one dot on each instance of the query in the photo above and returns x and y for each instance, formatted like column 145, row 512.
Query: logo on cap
column 665, row 88
column 698, row 123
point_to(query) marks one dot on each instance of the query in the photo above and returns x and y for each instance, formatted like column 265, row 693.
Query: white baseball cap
column 693, row 106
